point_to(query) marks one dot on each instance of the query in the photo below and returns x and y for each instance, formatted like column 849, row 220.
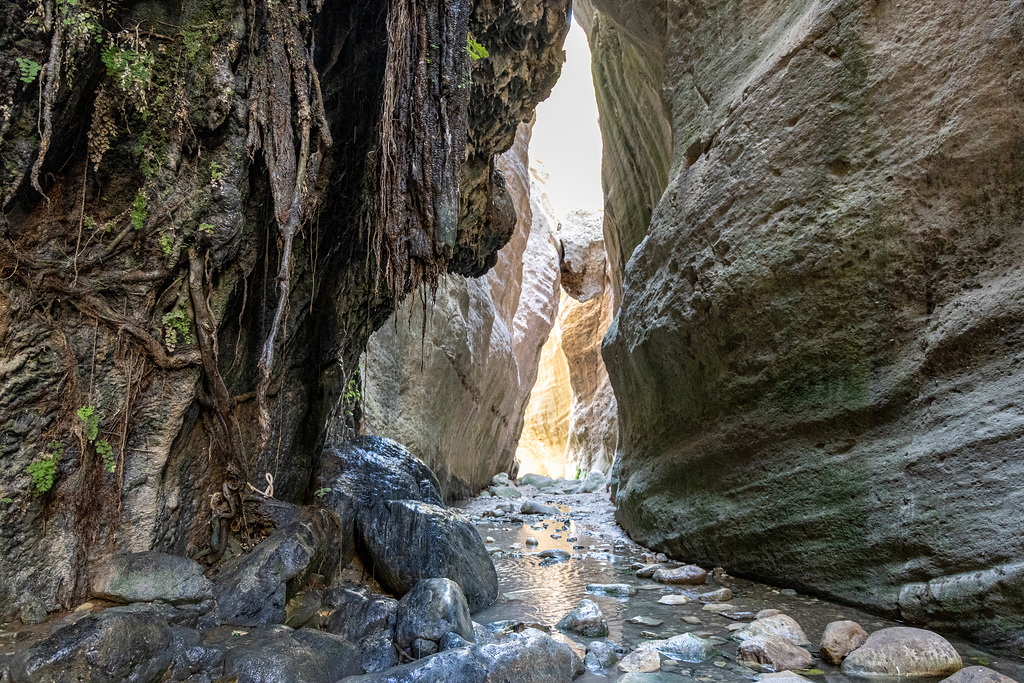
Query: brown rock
column 840, row 639
column 779, row 625
column 720, row 595
column 904, row 652
column 642, row 661
column 773, row 653
column 978, row 674
column 687, row 575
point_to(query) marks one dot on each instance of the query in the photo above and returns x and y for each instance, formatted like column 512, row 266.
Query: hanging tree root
column 206, row 334
column 285, row 72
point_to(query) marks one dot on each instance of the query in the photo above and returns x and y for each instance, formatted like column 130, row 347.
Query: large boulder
column 105, row 648
column 904, row 652
column 148, row 576
column 433, row 609
column 405, row 541
column 252, row 589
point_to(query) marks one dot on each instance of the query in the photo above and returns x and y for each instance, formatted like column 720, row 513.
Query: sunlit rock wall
column 818, row 351
column 454, row 389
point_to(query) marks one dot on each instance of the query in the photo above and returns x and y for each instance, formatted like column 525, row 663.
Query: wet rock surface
column 406, row 541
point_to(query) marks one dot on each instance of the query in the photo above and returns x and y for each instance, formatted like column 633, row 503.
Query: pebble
column 531, row 541
column 674, row 600
column 693, row 620
column 646, row 621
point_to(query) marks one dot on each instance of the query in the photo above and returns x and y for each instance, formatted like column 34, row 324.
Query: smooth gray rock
column 534, row 508
column 432, row 609
column 361, row 472
column 406, row 541
column 537, row 480
column 595, row 481
column 148, row 576
column 686, row 648
column 585, row 620
column 505, row 492
column 106, row 647
column 905, row 652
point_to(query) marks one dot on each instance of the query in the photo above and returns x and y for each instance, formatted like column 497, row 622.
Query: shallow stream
column 536, row 590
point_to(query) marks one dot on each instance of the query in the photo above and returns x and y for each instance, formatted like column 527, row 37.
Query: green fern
column 476, row 50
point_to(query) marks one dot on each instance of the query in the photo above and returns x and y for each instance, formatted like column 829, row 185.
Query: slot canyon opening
column 570, row 420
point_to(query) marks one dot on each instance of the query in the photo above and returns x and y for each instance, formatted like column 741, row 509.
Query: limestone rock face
column 816, row 354
column 571, row 421
column 453, row 387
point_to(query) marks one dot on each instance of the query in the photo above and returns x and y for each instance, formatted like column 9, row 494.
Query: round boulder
column 840, row 639
column 904, row 652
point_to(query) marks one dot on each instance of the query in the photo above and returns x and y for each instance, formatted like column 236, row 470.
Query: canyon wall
column 203, row 220
column 453, row 388
column 817, row 351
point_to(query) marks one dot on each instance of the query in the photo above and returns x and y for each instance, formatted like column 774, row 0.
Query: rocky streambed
column 554, row 547
column 377, row 581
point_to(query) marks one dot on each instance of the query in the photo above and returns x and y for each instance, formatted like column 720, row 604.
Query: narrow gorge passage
column 332, row 348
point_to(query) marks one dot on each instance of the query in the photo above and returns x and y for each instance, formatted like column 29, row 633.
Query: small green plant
column 320, row 493
column 28, row 68
column 44, row 470
column 166, row 243
column 90, row 422
column 206, row 228
column 476, row 50
column 178, row 326
column 6, row 501
column 130, row 69
column 352, row 396
column 107, row 454
column 216, row 173
column 139, row 210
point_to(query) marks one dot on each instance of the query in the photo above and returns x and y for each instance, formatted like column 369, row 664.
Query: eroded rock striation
column 818, row 339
